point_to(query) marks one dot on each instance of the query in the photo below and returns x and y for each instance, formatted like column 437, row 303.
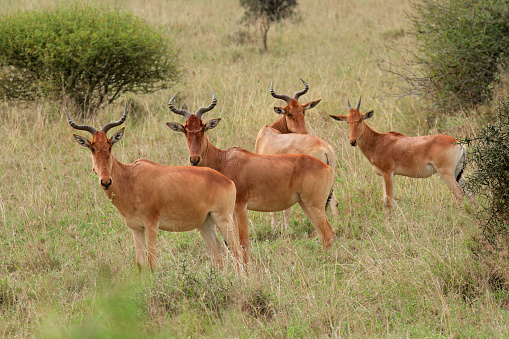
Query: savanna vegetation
column 67, row 262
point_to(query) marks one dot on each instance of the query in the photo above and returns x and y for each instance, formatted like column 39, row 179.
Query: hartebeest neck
column 281, row 125
column 214, row 157
column 368, row 141
column 120, row 176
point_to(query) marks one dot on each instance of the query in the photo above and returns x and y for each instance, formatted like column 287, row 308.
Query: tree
column 90, row 55
column 458, row 49
column 488, row 156
column 266, row 12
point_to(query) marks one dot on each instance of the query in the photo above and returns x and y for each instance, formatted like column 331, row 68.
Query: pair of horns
column 105, row 128
column 286, row 98
column 198, row 113
column 358, row 104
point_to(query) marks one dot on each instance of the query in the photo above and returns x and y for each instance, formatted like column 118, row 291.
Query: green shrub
column 489, row 158
column 458, row 51
column 90, row 55
column 266, row 12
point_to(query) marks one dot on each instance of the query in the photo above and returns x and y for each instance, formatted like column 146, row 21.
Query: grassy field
column 67, row 261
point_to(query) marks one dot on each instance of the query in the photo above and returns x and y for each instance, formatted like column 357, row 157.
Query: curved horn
column 183, row 112
column 80, row 127
column 202, row 110
column 279, row 96
column 358, row 104
column 112, row 124
column 304, row 91
column 348, row 102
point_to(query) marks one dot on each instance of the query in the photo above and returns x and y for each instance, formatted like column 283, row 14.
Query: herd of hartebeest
column 289, row 166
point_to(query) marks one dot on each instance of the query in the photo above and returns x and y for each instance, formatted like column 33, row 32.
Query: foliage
column 489, row 156
column 460, row 47
column 266, row 12
column 91, row 55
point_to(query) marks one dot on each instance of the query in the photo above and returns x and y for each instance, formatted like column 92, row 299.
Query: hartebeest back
column 288, row 135
column 264, row 183
column 397, row 154
column 151, row 197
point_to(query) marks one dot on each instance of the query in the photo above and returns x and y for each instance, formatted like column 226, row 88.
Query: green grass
column 67, row 261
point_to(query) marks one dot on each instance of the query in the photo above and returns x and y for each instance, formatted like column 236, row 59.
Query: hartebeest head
column 100, row 146
column 293, row 113
column 355, row 121
column 194, row 129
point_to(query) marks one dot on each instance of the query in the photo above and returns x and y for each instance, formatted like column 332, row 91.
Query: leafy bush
column 489, row 157
column 266, row 12
column 460, row 47
column 91, row 55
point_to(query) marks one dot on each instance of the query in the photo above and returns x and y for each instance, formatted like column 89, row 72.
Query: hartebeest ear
column 279, row 110
column 82, row 141
column 338, row 117
column 212, row 123
column 367, row 115
column 117, row 136
column 311, row 104
column 175, row 126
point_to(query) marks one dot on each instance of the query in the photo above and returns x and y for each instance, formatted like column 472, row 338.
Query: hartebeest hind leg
column 240, row 215
column 453, row 185
column 316, row 215
column 208, row 233
column 226, row 227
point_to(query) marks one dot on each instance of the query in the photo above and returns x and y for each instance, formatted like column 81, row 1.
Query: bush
column 460, row 47
column 489, row 157
column 265, row 12
column 90, row 55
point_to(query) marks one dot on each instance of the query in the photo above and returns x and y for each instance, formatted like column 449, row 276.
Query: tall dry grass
column 67, row 263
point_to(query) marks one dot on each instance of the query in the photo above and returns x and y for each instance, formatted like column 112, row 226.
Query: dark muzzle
column 353, row 142
column 194, row 162
column 106, row 185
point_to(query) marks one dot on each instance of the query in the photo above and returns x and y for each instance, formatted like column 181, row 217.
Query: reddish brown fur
column 264, row 182
column 397, row 154
column 151, row 197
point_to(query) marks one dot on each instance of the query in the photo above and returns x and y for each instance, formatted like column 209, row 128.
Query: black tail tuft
column 329, row 198
column 458, row 177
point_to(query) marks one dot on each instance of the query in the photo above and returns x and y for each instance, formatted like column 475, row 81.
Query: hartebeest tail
column 264, row 183
column 397, row 154
column 153, row 197
column 288, row 135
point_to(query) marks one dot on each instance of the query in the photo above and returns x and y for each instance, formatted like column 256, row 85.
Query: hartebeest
column 288, row 135
column 151, row 197
column 264, row 183
column 397, row 154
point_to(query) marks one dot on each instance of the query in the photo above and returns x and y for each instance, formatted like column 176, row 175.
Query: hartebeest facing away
column 288, row 135
column 264, row 183
column 397, row 154
column 151, row 196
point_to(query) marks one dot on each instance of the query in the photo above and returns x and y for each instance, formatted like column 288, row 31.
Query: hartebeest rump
column 151, row 197
column 265, row 183
column 397, row 154
column 288, row 135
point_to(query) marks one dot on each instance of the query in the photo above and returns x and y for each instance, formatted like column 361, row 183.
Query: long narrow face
column 194, row 130
column 355, row 122
column 295, row 114
column 100, row 146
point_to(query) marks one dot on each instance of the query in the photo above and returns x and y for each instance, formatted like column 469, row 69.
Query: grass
column 67, row 264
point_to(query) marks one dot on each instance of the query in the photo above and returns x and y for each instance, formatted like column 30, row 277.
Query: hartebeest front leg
column 388, row 193
column 240, row 215
column 151, row 234
column 140, row 247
